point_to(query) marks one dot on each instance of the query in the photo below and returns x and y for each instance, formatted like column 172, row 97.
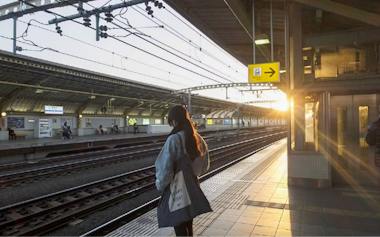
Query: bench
column 18, row 135
column 104, row 131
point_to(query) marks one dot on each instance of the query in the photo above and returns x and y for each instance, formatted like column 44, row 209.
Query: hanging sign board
column 266, row 72
column 53, row 109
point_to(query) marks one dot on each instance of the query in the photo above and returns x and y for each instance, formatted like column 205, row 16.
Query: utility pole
column 189, row 103
column 107, row 10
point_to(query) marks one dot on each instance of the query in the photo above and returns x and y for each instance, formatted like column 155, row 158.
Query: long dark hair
column 192, row 144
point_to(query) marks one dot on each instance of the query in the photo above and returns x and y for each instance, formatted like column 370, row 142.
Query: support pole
column 287, row 66
column 253, row 32
column 14, row 34
column 271, row 32
column 97, row 27
column 189, row 102
column 238, row 112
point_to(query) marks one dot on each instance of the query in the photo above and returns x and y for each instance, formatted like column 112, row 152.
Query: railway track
column 43, row 214
column 208, row 136
column 117, row 156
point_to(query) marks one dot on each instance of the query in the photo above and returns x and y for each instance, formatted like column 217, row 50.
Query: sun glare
column 281, row 105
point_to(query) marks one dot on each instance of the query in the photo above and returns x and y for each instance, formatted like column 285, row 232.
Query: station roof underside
column 28, row 84
column 229, row 23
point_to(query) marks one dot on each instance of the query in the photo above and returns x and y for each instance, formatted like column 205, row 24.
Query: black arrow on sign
column 273, row 72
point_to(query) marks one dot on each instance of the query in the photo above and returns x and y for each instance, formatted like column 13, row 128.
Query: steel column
column 14, row 34
column 97, row 27
column 287, row 67
column 189, row 102
column 253, row 32
column 271, row 32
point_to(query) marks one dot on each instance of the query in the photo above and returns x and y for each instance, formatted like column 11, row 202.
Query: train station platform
column 252, row 198
column 39, row 142
column 42, row 142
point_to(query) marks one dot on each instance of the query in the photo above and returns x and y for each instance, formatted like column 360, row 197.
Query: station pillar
column 4, row 134
column 308, row 162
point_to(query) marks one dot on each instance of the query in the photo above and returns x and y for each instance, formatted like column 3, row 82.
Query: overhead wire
column 208, row 40
column 161, row 43
column 126, row 43
column 86, row 59
column 132, row 33
column 188, row 41
column 109, row 51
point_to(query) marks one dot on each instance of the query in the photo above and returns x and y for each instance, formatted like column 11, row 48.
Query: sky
column 209, row 64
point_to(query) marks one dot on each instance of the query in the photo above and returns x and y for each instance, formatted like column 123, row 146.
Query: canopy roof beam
column 344, row 10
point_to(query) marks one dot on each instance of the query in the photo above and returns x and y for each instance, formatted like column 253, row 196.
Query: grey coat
column 170, row 153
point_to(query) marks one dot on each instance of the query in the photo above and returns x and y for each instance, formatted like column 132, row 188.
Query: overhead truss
column 228, row 85
column 18, row 8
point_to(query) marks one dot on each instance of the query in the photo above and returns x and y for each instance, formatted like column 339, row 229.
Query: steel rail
column 28, row 176
column 40, row 215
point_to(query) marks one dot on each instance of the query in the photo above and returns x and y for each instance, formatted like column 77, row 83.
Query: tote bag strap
column 187, row 160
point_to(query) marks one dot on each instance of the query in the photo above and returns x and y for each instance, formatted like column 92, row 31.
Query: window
column 219, row 121
column 145, row 121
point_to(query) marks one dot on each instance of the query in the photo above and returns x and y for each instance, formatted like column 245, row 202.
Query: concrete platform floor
column 250, row 202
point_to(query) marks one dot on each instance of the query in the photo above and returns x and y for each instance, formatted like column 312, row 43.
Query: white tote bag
column 179, row 196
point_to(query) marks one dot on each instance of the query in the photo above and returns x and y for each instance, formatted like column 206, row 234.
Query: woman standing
column 183, row 147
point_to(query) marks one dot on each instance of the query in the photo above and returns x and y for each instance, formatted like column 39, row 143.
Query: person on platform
column 101, row 131
column 115, row 129
column 183, row 146
column 373, row 139
column 12, row 134
column 135, row 128
column 66, row 132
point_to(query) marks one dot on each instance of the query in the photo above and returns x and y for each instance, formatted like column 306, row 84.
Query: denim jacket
column 170, row 153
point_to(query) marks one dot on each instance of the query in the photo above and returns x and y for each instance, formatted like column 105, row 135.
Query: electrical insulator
column 109, row 17
column 87, row 21
column 58, row 29
column 18, row 48
column 158, row 4
column 103, row 28
column 103, row 35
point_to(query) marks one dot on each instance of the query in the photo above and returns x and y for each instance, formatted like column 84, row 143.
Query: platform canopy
column 229, row 23
column 28, row 84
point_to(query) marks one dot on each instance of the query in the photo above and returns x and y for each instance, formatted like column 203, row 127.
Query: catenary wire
column 188, row 41
column 86, row 59
column 117, row 39
column 132, row 33
column 109, row 51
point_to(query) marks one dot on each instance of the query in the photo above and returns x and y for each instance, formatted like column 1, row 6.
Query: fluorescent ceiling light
column 282, row 71
column 39, row 91
column 262, row 39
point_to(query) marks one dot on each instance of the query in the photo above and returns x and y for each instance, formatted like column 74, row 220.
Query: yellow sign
column 266, row 72
column 132, row 121
column 209, row 121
